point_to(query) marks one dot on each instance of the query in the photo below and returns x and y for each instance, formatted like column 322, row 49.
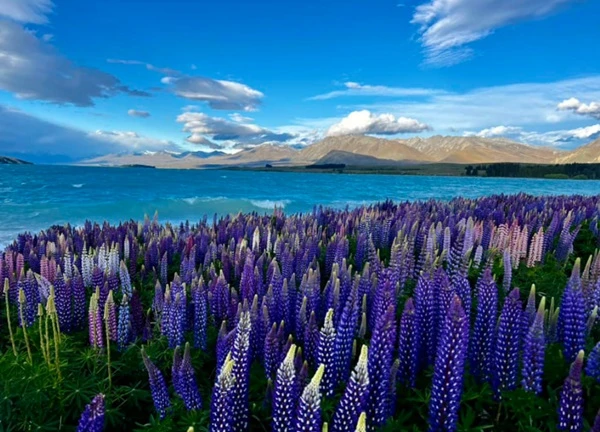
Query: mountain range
column 366, row 151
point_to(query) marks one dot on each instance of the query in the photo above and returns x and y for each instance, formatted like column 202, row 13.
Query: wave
column 270, row 204
column 78, row 185
column 194, row 200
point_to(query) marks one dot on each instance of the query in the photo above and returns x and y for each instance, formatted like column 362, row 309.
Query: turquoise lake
column 35, row 197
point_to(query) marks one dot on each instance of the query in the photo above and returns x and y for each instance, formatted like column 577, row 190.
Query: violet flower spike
column 570, row 406
column 284, row 400
column 158, row 387
column 354, row 400
column 221, row 418
column 308, row 418
column 534, row 347
column 326, row 355
column 92, row 418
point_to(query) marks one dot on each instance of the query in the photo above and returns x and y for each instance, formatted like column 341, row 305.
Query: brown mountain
column 5, row 160
column 589, row 153
column 378, row 148
column 465, row 150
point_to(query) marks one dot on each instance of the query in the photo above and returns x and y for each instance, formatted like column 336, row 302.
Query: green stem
column 10, row 332
column 24, row 324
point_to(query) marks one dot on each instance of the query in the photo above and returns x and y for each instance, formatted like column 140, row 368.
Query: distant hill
column 5, row 160
column 589, row 153
column 365, row 151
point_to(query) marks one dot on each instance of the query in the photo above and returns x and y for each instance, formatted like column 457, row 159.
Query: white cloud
column 219, row 94
column 528, row 105
column 227, row 133
column 365, row 122
column 496, row 131
column 32, row 69
column 131, row 140
column 448, row 26
column 26, row 11
column 561, row 137
column 575, row 105
column 356, row 89
column 237, row 117
column 136, row 113
column 149, row 66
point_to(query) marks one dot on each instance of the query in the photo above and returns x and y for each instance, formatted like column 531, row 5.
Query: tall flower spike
column 325, row 354
column 124, row 327
column 379, row 365
column 354, row 400
column 572, row 321
column 448, row 373
column 188, row 388
column 534, row 348
column 593, row 363
column 240, row 354
column 158, row 387
column 570, row 406
column 508, row 344
column 308, row 418
column 221, row 416
column 484, row 330
column 284, row 400
column 409, row 340
column 92, row 418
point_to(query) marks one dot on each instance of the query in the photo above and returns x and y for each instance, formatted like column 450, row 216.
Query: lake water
column 35, row 197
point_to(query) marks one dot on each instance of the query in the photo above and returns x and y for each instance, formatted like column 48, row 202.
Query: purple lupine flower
column 508, row 344
column 185, row 377
column 311, row 339
column 92, row 418
column 344, row 338
column 570, row 406
column 137, row 314
column 221, row 415
column 379, row 365
column 284, row 395
column 125, row 279
column 271, row 351
column 326, row 355
column 224, row 343
column 593, row 363
column 158, row 387
column 94, row 320
column 78, row 290
column 200, row 315
column 124, row 325
column 529, row 312
column 354, row 400
column 240, row 355
column 62, row 290
column 409, row 340
column 463, row 289
column 484, row 330
column 176, row 321
column 534, row 347
column 507, row 278
column 308, row 416
column 110, row 316
column 572, row 321
column 449, row 367
column 426, row 305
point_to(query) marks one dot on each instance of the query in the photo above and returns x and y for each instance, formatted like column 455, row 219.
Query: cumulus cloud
column 575, row 105
column 136, row 113
column 32, row 69
column 227, row 133
column 237, row 117
column 32, row 138
column 496, row 131
column 26, row 11
column 356, row 89
column 219, row 94
column 365, row 122
column 448, row 26
column 562, row 137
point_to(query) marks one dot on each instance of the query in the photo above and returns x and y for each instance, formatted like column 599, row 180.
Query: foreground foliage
column 409, row 316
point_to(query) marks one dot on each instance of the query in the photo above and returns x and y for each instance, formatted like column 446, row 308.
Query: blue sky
column 83, row 78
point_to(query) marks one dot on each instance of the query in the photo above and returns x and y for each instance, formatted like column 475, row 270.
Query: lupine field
column 465, row 315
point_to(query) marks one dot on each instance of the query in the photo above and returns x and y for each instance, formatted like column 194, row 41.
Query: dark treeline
column 573, row 171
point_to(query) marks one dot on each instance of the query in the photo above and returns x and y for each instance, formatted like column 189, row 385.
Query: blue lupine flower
column 158, row 387
column 570, row 406
column 534, row 347
column 124, row 326
column 200, row 316
column 409, row 340
column 484, row 330
column 285, row 394
column 326, row 355
column 221, row 414
column 308, row 417
column 447, row 385
column 426, row 305
column 92, row 418
column 240, row 354
column 186, row 387
column 508, row 344
column 572, row 320
column 593, row 363
column 354, row 400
